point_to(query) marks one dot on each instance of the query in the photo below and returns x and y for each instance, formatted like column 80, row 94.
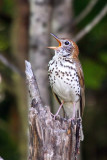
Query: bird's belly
column 67, row 91
column 65, row 84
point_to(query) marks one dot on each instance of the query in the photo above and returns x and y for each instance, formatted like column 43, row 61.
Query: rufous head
column 67, row 47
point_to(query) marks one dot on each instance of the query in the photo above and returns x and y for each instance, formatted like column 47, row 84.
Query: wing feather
column 82, row 86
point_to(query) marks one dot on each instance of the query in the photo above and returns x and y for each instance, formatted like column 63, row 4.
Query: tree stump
column 49, row 138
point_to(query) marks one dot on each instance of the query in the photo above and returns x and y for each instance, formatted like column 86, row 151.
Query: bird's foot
column 54, row 115
column 57, row 111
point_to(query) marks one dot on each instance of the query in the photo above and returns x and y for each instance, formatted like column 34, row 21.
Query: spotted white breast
column 64, row 79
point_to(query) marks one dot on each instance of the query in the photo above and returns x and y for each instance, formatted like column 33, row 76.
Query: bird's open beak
column 58, row 40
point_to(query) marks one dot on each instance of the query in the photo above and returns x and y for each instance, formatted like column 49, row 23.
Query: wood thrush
column 66, row 78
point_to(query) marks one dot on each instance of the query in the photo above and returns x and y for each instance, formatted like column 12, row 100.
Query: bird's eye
column 66, row 43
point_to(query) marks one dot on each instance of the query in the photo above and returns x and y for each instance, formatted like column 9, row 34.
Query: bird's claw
column 54, row 116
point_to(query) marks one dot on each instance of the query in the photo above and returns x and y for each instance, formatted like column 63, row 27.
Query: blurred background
column 25, row 28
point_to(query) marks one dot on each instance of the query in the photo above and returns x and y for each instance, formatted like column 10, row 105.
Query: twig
column 85, row 12
column 90, row 26
column 9, row 65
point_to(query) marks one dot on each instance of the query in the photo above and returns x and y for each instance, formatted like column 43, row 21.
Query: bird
column 66, row 78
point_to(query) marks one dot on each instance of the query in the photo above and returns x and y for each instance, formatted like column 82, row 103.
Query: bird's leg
column 58, row 109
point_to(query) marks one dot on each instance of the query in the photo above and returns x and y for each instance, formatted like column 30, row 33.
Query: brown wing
column 57, row 98
column 81, row 79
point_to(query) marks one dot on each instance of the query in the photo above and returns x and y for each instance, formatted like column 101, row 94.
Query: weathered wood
column 49, row 139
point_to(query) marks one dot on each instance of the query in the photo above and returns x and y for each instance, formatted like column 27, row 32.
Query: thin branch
column 85, row 12
column 9, row 65
column 91, row 25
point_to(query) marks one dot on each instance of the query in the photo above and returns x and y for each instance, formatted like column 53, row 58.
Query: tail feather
column 68, row 108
